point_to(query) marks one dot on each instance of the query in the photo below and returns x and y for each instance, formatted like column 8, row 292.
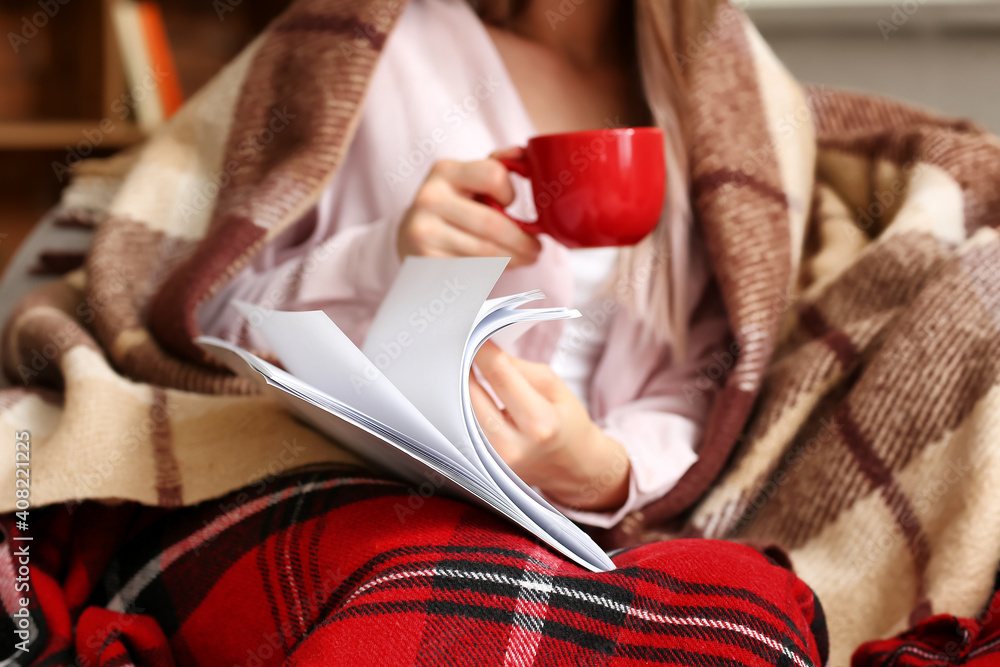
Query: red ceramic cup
column 594, row 188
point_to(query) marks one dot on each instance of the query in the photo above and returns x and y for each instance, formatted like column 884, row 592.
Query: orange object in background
column 161, row 57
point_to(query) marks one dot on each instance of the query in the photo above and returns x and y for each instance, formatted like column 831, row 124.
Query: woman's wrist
column 596, row 476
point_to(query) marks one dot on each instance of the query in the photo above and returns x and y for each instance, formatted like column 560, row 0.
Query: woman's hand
column 545, row 434
column 445, row 221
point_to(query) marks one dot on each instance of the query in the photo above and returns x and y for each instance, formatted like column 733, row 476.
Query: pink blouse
column 441, row 91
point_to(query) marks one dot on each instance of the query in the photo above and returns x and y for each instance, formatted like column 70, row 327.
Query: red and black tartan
column 939, row 640
column 326, row 568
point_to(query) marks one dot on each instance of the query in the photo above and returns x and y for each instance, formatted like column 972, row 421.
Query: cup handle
column 518, row 166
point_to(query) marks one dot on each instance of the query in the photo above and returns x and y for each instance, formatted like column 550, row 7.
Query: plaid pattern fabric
column 855, row 242
column 322, row 568
column 872, row 454
column 939, row 640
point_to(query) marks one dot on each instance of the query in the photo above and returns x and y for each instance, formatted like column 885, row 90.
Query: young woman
column 331, row 566
column 595, row 413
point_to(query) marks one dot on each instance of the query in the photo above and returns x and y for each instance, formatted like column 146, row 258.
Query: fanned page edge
column 242, row 362
column 553, row 522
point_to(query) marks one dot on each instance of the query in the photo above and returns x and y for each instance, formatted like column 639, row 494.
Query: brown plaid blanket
column 855, row 244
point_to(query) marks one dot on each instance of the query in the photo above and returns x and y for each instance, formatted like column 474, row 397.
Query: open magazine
column 402, row 402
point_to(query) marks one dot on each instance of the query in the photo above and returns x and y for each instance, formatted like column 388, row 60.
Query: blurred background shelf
column 64, row 93
column 58, row 134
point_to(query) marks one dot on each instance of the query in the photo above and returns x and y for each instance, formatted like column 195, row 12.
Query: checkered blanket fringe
column 322, row 568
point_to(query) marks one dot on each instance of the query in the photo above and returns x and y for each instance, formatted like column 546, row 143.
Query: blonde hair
column 651, row 278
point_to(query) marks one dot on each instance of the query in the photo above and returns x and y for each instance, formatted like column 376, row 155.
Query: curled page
column 419, row 336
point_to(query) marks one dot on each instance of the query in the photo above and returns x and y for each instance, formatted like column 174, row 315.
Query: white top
column 441, row 91
column 582, row 340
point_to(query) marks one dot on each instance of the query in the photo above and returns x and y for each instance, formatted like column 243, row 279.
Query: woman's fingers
column 532, row 414
column 493, row 421
column 438, row 238
column 491, row 226
column 541, row 377
column 509, row 153
column 487, row 177
column 443, row 207
column 490, row 417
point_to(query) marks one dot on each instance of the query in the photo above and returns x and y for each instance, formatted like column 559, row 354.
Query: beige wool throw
column 855, row 244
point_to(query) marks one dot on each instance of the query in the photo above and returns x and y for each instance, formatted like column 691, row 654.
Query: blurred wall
column 942, row 55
